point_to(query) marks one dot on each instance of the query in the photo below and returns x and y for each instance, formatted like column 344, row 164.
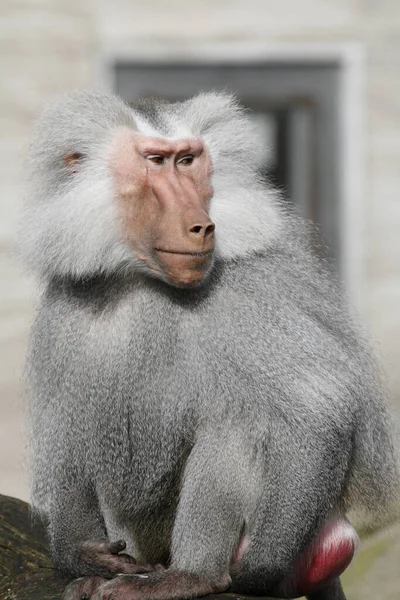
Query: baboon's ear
column 73, row 161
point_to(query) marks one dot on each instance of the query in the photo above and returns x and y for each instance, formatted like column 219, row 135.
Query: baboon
column 203, row 407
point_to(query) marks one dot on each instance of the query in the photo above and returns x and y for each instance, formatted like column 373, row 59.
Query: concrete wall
column 47, row 46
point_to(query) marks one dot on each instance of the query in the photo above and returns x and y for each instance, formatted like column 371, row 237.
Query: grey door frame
column 347, row 218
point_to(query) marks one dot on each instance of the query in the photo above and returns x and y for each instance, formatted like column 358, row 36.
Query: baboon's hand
column 107, row 559
column 82, row 588
column 166, row 585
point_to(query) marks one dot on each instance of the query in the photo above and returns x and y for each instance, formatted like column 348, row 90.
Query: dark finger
column 117, row 547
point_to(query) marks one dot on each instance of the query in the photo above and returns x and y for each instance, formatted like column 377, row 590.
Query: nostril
column 203, row 230
column 210, row 228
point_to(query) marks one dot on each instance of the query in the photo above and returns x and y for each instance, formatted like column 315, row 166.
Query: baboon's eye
column 186, row 160
column 157, row 159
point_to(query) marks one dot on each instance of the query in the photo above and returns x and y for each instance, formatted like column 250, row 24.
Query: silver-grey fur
column 169, row 417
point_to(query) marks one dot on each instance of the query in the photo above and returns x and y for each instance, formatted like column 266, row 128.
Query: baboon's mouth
column 205, row 254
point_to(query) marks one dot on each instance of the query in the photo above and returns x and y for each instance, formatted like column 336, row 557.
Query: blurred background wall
column 322, row 77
